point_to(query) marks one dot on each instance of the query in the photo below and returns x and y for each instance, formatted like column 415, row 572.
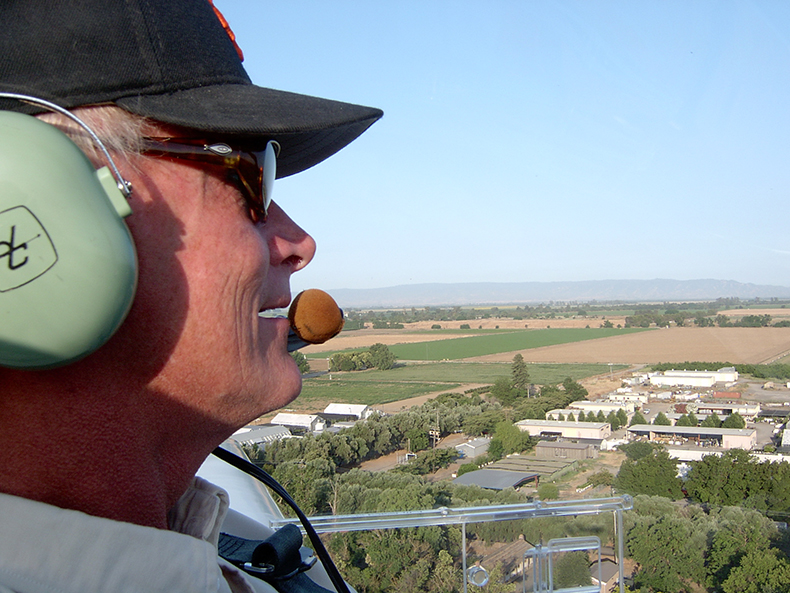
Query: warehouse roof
column 692, row 430
column 495, row 479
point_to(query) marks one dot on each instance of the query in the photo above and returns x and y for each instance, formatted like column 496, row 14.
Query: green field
column 507, row 341
column 378, row 387
column 492, row 342
column 478, row 372
column 356, row 390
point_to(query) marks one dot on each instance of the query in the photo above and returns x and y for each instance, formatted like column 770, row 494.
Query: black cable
column 318, row 546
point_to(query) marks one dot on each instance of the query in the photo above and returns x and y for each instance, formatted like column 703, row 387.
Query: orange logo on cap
column 228, row 30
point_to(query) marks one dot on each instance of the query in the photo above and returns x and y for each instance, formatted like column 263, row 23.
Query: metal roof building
column 473, row 448
column 568, row 430
column 348, row 411
column 267, row 433
column 496, row 479
column 727, row 438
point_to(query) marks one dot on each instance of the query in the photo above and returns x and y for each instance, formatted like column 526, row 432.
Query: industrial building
column 726, row 438
column 723, row 409
column 693, row 378
column 638, row 399
column 565, row 450
column 567, row 430
column 261, row 435
column 473, row 448
column 300, row 422
column 497, row 479
column 602, row 406
column 347, row 412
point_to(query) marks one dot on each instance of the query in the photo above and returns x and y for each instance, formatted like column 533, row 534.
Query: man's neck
column 107, row 455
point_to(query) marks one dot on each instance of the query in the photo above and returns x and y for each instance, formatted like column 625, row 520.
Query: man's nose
column 289, row 244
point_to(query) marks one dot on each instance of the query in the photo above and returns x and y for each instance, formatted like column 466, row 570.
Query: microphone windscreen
column 315, row 316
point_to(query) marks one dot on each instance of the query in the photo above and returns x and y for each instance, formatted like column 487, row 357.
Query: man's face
column 206, row 271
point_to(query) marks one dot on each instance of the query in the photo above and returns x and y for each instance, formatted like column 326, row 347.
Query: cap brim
column 309, row 129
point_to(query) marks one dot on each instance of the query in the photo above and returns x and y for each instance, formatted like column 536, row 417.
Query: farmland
column 436, row 361
column 447, row 345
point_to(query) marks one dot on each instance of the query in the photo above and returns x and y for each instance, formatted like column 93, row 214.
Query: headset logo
column 26, row 251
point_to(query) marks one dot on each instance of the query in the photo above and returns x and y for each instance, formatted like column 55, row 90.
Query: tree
column 638, row 449
column 418, row 439
column 613, row 420
column 599, row 417
column 601, row 478
column 761, row 571
column 682, row 421
column 381, row 357
column 301, row 361
column 668, row 560
column 575, row 390
column 742, row 532
column 637, row 418
column 572, row 569
column 731, row 479
column 512, row 438
column 581, row 417
column 520, row 374
column 622, row 417
column 711, row 421
column 693, row 419
column 654, row 474
column 662, row 420
column 734, row 420
column 503, row 391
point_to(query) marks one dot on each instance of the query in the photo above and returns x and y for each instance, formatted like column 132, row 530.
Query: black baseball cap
column 170, row 60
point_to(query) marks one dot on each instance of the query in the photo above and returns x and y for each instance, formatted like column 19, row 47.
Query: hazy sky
column 538, row 140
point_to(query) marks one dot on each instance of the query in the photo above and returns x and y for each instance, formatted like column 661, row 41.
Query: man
column 97, row 457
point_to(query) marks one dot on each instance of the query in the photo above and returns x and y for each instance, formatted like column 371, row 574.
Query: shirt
column 47, row 549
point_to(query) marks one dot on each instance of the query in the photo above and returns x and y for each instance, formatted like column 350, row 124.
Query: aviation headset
column 68, row 266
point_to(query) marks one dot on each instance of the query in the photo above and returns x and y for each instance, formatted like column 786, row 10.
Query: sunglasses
column 254, row 171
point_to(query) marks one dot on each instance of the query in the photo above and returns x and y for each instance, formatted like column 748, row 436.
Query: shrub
column 548, row 491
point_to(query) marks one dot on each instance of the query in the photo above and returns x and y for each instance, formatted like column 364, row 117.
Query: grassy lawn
column 459, row 348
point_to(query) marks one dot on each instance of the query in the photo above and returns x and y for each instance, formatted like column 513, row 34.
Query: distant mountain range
column 521, row 293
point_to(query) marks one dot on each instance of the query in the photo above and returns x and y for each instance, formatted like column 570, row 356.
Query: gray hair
column 120, row 131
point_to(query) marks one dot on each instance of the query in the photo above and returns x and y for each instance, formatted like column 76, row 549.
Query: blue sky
column 538, row 140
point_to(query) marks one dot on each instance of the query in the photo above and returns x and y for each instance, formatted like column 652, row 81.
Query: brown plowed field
column 680, row 344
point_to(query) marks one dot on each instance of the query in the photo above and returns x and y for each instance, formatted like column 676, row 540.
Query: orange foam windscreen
column 315, row 316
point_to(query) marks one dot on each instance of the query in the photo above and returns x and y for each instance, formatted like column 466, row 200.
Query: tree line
column 717, row 537
column 378, row 356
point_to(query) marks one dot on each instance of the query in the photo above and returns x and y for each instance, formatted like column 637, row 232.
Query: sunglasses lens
column 269, row 172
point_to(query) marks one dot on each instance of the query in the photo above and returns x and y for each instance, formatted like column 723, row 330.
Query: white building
column 261, row 435
column 694, row 378
column 726, row 438
column 305, row 422
column 638, row 399
column 473, row 448
column 602, row 406
column 748, row 411
column 351, row 411
column 568, row 430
